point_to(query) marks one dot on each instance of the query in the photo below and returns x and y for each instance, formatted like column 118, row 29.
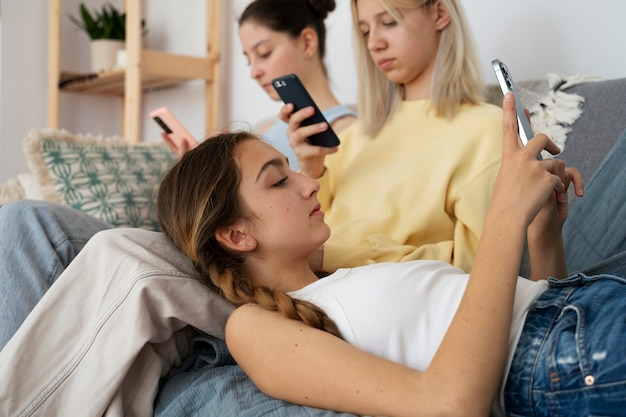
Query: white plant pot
column 104, row 54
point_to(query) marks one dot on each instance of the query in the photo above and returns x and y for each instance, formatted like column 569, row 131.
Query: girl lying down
column 401, row 339
column 393, row 339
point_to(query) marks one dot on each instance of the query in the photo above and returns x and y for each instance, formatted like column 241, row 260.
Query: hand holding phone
column 507, row 85
column 291, row 90
column 174, row 133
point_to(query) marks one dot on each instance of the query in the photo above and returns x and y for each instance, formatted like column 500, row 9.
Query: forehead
column 252, row 154
column 369, row 8
column 252, row 33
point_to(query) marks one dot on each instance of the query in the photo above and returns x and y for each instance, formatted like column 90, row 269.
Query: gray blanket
column 210, row 384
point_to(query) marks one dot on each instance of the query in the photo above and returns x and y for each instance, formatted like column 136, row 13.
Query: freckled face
column 285, row 215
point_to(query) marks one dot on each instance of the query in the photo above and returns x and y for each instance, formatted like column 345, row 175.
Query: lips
column 385, row 63
column 317, row 210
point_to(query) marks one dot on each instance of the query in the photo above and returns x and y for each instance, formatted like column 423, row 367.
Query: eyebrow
column 274, row 162
column 377, row 16
column 256, row 46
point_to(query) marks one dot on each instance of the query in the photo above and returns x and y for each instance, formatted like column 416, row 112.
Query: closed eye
column 281, row 183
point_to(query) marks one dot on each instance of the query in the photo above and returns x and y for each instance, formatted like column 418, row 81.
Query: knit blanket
column 552, row 109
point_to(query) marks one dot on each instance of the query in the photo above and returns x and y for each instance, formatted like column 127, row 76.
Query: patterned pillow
column 106, row 177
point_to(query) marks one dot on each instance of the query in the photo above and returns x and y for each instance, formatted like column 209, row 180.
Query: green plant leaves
column 106, row 23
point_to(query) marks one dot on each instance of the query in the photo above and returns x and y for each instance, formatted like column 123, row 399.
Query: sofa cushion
column 602, row 122
column 11, row 190
column 106, row 177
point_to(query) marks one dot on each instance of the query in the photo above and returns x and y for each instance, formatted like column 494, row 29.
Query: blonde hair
column 198, row 196
column 456, row 76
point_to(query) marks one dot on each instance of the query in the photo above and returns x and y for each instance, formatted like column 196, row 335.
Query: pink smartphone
column 174, row 128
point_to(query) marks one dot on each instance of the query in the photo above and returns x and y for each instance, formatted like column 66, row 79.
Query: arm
column 545, row 240
column 294, row 362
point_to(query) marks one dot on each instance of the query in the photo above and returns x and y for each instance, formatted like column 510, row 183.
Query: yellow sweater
column 419, row 190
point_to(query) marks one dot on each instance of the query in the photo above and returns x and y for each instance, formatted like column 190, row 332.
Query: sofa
column 583, row 114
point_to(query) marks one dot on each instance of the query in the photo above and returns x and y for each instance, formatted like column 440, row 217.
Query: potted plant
column 107, row 30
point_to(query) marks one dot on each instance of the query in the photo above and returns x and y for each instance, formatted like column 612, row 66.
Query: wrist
column 321, row 174
column 314, row 174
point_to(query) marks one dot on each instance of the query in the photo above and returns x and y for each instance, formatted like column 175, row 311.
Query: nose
column 310, row 187
column 255, row 70
column 374, row 41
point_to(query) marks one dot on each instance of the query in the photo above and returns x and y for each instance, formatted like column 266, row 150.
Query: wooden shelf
column 155, row 75
column 147, row 70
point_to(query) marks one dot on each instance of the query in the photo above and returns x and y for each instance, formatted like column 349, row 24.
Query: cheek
column 285, row 61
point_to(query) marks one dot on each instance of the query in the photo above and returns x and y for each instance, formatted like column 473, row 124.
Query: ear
column 442, row 16
column 309, row 42
column 235, row 238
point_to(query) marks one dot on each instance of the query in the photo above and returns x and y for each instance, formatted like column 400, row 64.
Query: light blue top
column 276, row 133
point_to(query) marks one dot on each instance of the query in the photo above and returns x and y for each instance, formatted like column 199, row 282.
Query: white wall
column 534, row 37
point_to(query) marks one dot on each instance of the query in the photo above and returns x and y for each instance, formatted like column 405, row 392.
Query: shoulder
column 483, row 111
column 342, row 123
column 480, row 123
column 340, row 117
column 242, row 324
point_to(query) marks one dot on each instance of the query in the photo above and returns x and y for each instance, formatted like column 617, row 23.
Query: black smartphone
column 507, row 85
column 291, row 90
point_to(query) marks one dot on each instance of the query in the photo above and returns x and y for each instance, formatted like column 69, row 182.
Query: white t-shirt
column 401, row 311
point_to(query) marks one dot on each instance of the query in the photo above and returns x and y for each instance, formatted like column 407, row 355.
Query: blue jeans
column 595, row 230
column 38, row 241
column 570, row 359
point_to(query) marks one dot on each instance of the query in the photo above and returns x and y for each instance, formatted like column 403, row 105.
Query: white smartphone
column 291, row 90
column 508, row 86
column 174, row 129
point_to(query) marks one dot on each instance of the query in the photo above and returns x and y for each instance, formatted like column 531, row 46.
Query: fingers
column 169, row 142
column 285, row 112
column 573, row 176
column 511, row 137
column 295, row 119
column 539, row 143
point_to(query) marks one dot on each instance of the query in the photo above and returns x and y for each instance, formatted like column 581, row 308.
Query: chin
column 326, row 235
column 273, row 95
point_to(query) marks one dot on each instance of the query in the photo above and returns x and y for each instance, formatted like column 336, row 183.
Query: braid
column 237, row 290
column 199, row 195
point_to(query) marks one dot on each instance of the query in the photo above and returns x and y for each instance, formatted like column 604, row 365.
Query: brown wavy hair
column 198, row 196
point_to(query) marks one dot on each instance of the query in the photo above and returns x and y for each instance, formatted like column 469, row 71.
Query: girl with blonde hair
column 412, row 178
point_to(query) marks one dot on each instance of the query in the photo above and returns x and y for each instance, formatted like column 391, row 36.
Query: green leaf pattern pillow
column 108, row 178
